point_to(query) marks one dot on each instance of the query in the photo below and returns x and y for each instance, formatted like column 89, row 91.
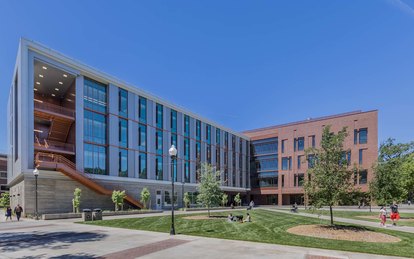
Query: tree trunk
column 208, row 209
column 330, row 210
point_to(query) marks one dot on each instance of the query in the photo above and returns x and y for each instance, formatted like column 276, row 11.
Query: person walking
column 8, row 213
column 395, row 215
column 383, row 216
column 18, row 210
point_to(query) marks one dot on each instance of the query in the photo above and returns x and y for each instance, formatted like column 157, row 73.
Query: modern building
column 84, row 128
column 3, row 174
column 279, row 164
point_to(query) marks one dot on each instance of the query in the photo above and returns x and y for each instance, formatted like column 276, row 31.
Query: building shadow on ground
column 11, row 242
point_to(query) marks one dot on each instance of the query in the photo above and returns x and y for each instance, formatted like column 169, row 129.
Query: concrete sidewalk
column 60, row 239
column 346, row 220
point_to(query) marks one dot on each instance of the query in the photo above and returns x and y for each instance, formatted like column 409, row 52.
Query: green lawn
column 357, row 215
column 267, row 227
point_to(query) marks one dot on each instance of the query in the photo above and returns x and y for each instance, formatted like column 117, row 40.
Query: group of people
column 239, row 218
column 17, row 210
column 394, row 216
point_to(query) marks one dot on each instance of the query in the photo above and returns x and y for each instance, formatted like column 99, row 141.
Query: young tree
column 237, row 199
column 209, row 187
column 5, row 199
column 118, row 199
column 76, row 200
column 224, row 199
column 329, row 177
column 393, row 173
column 145, row 197
column 186, row 200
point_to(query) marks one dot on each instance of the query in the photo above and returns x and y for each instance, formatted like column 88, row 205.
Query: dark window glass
column 363, row 177
column 174, row 168
column 158, row 142
column 294, row 144
column 158, row 168
column 299, row 161
column 217, row 136
column 94, row 127
column 123, row 133
column 123, row 163
column 285, row 163
column 173, row 121
column 95, row 159
column 283, row 145
column 186, row 148
column 313, row 142
column 142, row 137
column 198, row 130
column 209, row 154
column 218, row 161
column 187, row 171
column 208, row 134
column 142, row 113
column 266, row 163
column 260, row 148
column 283, row 180
column 269, row 179
column 361, row 151
column 186, row 125
column 301, row 179
column 363, row 136
column 355, row 136
column 142, row 165
column 226, row 140
column 174, row 140
column 94, row 95
column 348, row 157
column 123, row 102
column 301, row 143
column 311, row 161
column 159, row 116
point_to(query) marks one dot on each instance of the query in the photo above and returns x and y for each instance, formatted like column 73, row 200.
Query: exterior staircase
column 61, row 164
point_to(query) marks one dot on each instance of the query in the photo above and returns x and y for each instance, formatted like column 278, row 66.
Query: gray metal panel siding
column 79, row 122
column 150, row 140
column 113, row 130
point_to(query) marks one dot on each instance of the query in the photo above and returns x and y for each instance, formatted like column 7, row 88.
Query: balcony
column 41, row 108
column 54, row 146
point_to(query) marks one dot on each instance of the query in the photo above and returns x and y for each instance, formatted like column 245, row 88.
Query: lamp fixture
column 40, row 75
column 61, row 83
column 35, row 89
column 56, row 89
column 53, row 95
column 64, row 75
column 44, row 67
column 38, row 83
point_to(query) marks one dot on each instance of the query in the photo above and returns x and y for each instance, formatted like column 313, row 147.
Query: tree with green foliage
column 329, row 179
column 5, row 200
column 209, row 187
column 145, row 197
column 118, row 199
column 393, row 172
column 76, row 200
column 237, row 199
column 224, row 199
column 186, row 200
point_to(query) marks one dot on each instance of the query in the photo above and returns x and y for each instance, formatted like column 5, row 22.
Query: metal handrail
column 54, row 144
column 54, row 108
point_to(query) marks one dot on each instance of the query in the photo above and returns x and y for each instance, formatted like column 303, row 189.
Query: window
column 226, row 140
column 218, row 137
column 94, row 96
column 208, row 134
column 158, row 142
column 361, row 152
column 283, row 180
column 174, row 140
column 363, row 136
column 300, row 143
column 173, row 121
column 299, row 161
column 286, row 163
column 209, row 154
column 95, row 159
column 94, row 126
column 355, row 136
column 268, row 180
column 311, row 161
column 142, row 109
column 159, row 116
column 218, row 160
column 142, row 165
column 283, row 145
column 363, row 177
column 268, row 146
column 313, row 141
column 265, row 163
column 301, row 179
column 142, row 137
column 4, row 188
column 198, row 159
column 198, row 130
column 240, row 162
column 3, row 175
column 174, row 169
column 158, row 168
column 123, row 133
column 123, row 102
column 123, row 163
column 186, row 148
column 187, row 171
column 186, row 125
column 167, row 198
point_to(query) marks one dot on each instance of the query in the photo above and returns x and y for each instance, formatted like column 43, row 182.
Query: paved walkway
column 63, row 239
column 347, row 220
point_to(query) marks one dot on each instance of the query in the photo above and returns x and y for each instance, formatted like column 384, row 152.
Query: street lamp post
column 173, row 154
column 36, row 174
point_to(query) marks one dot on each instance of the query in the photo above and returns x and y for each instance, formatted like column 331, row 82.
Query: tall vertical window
column 218, row 160
column 142, row 137
column 142, row 160
column 286, row 163
column 311, row 161
column 173, row 121
column 198, row 160
column 208, row 133
column 361, row 152
column 226, row 159
column 158, row 168
column 95, row 127
column 123, row 102
column 218, row 137
column 233, row 145
column 123, row 163
column 355, row 136
column 174, row 169
column 283, row 145
column 158, row 142
column 142, row 109
column 159, row 116
column 186, row 125
column 123, row 133
column 174, row 140
column 299, row 161
column 313, row 141
column 198, row 130
column 186, row 148
column 363, row 136
column 301, row 143
column 187, row 171
column 240, row 163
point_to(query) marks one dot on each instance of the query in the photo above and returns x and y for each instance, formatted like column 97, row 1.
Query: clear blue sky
column 243, row 64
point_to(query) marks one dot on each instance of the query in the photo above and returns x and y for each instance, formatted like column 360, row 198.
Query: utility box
column 97, row 214
column 87, row 215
